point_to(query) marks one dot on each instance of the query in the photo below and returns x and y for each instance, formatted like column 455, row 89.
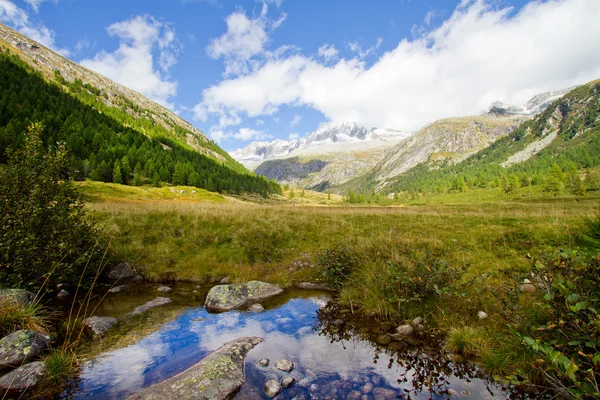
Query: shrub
column 44, row 235
column 569, row 337
column 337, row 264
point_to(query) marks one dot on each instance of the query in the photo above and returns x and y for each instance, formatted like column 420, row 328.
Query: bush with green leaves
column 569, row 336
column 337, row 264
column 44, row 234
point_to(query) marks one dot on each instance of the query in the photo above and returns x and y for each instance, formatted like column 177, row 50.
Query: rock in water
column 284, row 365
column 384, row 394
column 121, row 271
column 288, row 381
column 272, row 388
column 405, row 330
column 157, row 302
column 263, row 362
column 21, row 296
column 23, row 378
column 255, row 308
column 229, row 297
column 21, row 346
column 218, row 376
column 96, row 327
column 164, row 289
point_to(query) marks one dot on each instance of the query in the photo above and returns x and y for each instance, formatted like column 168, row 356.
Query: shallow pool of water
column 328, row 365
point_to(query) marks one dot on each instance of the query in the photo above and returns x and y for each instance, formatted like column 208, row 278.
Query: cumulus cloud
column 18, row 19
column 245, row 38
column 483, row 52
column 147, row 50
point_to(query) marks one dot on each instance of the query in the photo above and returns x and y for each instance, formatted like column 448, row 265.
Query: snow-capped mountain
column 535, row 105
column 329, row 138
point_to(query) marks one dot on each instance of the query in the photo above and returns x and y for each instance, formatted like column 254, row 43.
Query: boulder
column 218, row 376
column 23, row 378
column 229, row 297
column 157, row 302
column 272, row 388
column 405, row 330
column 121, row 271
column 96, row 327
column 255, row 308
column 284, row 365
column 164, row 289
column 21, row 346
column 287, row 382
column 19, row 295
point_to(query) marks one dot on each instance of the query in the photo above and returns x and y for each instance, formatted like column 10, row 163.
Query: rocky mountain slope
column 535, row 105
column 141, row 110
column 559, row 148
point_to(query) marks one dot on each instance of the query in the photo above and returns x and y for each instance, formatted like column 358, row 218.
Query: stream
column 332, row 361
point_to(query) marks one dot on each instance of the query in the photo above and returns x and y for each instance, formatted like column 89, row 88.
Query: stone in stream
column 117, row 289
column 157, row 302
column 218, row 376
column 384, row 394
column 284, row 365
column 263, row 362
column 255, row 308
column 21, row 346
column 405, row 330
column 23, row 378
column 354, row 395
column 164, row 289
column 288, row 381
column 63, row 295
column 21, row 296
column 272, row 388
column 121, row 271
column 229, row 297
column 367, row 388
column 96, row 327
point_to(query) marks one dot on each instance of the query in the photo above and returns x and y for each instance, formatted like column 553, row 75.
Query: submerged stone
column 288, row 381
column 96, row 327
column 26, row 377
column 272, row 388
column 164, row 289
column 255, row 308
column 263, row 362
column 21, row 346
column 284, row 365
column 218, row 376
column 384, row 394
column 157, row 302
column 229, row 297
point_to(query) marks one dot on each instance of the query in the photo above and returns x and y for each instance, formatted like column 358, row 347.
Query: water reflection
column 328, row 365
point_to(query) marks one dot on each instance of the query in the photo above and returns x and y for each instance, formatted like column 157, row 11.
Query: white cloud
column 355, row 47
column 242, row 47
column 483, row 52
column 243, row 134
column 147, row 50
column 293, row 136
column 295, row 121
column 328, row 52
column 18, row 19
column 35, row 4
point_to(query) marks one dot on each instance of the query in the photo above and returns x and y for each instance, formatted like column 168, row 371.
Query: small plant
column 61, row 366
column 15, row 315
column 466, row 341
column 337, row 264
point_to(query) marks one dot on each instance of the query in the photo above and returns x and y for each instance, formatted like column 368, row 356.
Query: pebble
column 482, row 315
column 284, row 365
column 263, row 362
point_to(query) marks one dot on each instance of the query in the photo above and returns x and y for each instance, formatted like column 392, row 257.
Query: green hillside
column 107, row 143
column 570, row 131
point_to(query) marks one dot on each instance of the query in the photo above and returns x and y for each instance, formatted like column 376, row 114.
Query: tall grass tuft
column 15, row 315
column 466, row 341
column 61, row 365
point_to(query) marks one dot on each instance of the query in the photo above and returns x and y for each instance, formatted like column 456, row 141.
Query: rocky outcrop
column 218, row 376
column 26, row 377
column 157, row 302
column 290, row 169
column 21, row 346
column 229, row 297
column 19, row 295
column 96, row 327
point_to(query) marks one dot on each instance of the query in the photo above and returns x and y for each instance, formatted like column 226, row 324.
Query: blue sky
column 276, row 69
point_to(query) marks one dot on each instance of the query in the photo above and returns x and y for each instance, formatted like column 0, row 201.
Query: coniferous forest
column 102, row 148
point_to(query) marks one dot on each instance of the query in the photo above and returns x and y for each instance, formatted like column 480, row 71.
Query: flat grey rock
column 157, row 302
column 19, row 295
column 121, row 271
column 26, row 377
column 21, row 346
column 96, row 327
column 229, row 297
column 164, row 289
column 218, row 376
column 284, row 365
